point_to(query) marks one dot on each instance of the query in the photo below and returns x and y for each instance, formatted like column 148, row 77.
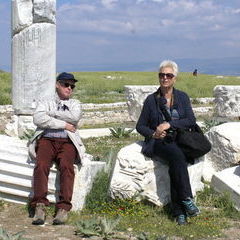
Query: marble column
column 33, row 53
column 33, row 59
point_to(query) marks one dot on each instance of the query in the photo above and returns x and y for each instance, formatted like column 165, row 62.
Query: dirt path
column 14, row 218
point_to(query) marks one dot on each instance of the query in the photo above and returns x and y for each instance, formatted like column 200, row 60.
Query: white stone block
column 228, row 181
column 225, row 150
column 135, row 98
column 227, row 101
column 21, row 15
column 16, row 171
column 136, row 175
column 33, row 66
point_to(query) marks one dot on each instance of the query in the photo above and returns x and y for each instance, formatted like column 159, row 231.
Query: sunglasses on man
column 66, row 85
column 168, row 75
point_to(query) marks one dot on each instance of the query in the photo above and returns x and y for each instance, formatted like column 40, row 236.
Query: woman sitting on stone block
column 160, row 136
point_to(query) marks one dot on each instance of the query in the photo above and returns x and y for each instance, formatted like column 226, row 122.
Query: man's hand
column 70, row 127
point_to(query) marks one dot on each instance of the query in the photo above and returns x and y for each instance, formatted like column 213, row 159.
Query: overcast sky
column 115, row 32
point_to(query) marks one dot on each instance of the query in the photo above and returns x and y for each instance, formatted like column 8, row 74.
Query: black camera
column 171, row 135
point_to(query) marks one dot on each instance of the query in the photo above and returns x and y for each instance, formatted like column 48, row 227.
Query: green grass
column 96, row 87
column 100, row 147
column 5, row 88
column 141, row 218
column 110, row 125
column 156, row 221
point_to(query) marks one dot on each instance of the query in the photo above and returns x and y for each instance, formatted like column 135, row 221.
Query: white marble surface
column 225, row 150
column 17, row 170
column 33, row 53
column 136, row 175
column 228, row 180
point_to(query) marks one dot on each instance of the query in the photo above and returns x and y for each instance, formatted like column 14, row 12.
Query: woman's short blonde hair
column 169, row 63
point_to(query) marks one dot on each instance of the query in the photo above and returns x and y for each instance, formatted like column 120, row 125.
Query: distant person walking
column 195, row 73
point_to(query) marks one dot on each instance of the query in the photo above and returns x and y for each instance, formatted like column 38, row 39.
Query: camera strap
column 162, row 109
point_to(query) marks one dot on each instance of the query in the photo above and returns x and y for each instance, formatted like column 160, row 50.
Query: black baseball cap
column 66, row 76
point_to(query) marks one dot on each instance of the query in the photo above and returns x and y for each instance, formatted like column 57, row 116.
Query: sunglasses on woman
column 168, row 75
column 66, row 85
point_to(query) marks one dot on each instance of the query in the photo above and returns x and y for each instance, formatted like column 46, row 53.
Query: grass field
column 108, row 87
column 144, row 220
column 138, row 218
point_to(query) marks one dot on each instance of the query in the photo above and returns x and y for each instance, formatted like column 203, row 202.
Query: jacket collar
column 158, row 94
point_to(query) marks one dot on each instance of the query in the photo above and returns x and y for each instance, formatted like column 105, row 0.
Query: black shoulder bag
column 192, row 141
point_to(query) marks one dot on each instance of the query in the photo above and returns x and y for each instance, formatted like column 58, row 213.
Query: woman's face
column 166, row 77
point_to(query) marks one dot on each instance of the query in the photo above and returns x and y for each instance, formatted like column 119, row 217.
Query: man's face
column 65, row 89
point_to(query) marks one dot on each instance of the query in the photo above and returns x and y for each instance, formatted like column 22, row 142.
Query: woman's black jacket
column 151, row 115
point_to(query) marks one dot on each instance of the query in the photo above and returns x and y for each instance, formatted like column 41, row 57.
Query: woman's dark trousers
column 179, row 179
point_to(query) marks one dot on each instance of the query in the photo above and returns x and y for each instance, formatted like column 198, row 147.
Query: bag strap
column 160, row 102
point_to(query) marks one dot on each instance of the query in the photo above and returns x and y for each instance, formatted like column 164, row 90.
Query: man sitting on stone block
column 56, row 140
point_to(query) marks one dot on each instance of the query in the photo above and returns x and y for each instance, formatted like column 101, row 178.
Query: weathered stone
column 136, row 175
column 135, row 98
column 25, row 125
column 44, row 11
column 227, row 101
column 116, row 105
column 101, row 117
column 33, row 66
column 206, row 100
column 20, row 126
column 137, row 94
column 228, row 181
column 16, row 125
column 17, row 171
column 198, row 111
column 11, row 128
column 21, row 15
column 6, row 109
column 225, row 150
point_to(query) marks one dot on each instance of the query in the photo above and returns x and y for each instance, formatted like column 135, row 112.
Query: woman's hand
column 159, row 136
column 161, row 130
